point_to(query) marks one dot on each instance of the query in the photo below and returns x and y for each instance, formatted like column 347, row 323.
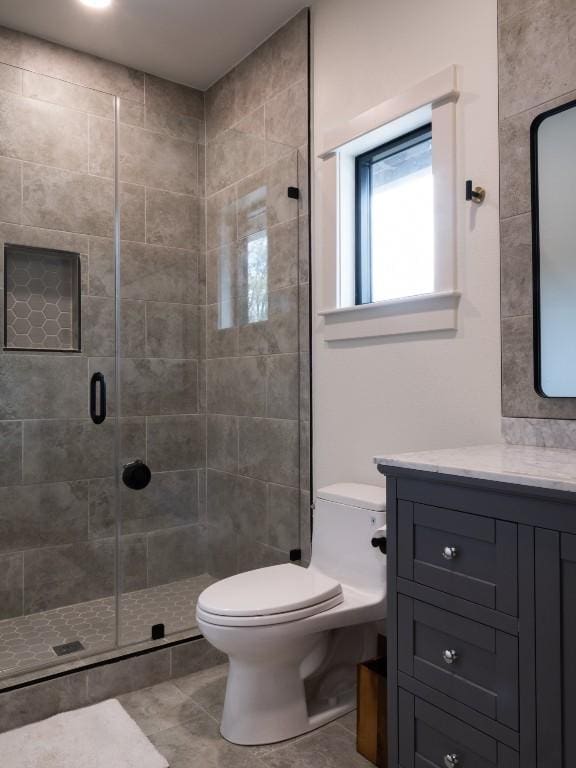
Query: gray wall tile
column 171, row 499
column 287, row 116
column 73, row 450
column 283, row 387
column 172, row 219
column 284, row 517
column 67, row 575
column 156, row 273
column 277, row 334
column 43, row 387
column 10, row 452
column 221, row 105
column 45, row 133
column 37, row 86
column 172, row 330
column 10, row 79
column 43, row 515
column 157, row 160
column 11, row 582
column 222, row 329
column 159, row 386
column 99, row 324
column 269, row 450
column 51, row 59
column 237, row 386
column 237, row 504
column 175, row 553
column 528, row 74
column 175, row 442
column 222, row 442
column 10, row 190
column 221, row 218
column 75, row 202
column 516, row 265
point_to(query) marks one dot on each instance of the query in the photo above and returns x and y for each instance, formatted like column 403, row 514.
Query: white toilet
column 295, row 635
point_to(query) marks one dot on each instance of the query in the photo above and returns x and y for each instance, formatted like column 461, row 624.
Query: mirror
column 553, row 139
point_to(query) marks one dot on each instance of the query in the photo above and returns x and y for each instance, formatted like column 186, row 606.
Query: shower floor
column 28, row 641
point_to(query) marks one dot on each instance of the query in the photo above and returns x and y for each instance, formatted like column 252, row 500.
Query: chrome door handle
column 451, row 760
column 449, row 657
column 449, row 553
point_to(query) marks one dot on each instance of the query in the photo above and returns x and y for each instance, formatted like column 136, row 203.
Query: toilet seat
column 273, row 595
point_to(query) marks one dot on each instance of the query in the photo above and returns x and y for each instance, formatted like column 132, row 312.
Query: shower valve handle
column 136, row 475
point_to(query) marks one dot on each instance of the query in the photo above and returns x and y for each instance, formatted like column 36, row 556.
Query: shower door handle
column 97, row 408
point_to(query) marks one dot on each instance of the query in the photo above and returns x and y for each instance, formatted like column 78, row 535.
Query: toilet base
column 249, row 722
column 270, row 702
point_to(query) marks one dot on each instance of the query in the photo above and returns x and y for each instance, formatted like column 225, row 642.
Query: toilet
column 294, row 635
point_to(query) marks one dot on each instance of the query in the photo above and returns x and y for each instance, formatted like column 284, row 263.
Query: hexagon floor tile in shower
column 29, row 641
column 42, row 299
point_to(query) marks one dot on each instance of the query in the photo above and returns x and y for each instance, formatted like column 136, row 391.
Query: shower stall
column 154, row 369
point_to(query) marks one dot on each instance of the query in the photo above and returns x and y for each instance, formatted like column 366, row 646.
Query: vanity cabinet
column 481, row 622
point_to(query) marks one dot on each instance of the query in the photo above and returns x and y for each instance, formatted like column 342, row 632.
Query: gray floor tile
column 159, row 708
column 198, row 744
column 328, row 747
column 207, row 689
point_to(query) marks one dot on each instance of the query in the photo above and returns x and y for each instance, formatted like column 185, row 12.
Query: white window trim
column 432, row 100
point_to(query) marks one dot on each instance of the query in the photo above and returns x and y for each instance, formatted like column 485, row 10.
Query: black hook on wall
column 476, row 194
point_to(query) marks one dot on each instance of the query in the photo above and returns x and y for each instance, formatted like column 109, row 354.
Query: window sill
column 394, row 317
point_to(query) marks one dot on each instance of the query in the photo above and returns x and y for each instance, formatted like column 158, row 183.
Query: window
column 395, row 219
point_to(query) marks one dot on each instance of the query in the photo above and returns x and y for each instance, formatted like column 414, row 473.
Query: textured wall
column 256, row 348
column 56, row 190
column 204, row 381
column 537, row 73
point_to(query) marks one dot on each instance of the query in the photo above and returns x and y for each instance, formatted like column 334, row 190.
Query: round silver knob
column 449, row 657
column 449, row 553
column 451, row 761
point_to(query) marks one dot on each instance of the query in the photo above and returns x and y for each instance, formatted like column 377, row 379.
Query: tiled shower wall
column 257, row 370
column 532, row 80
column 56, row 190
column 215, row 398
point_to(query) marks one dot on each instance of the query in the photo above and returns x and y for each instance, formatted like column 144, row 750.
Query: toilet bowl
column 294, row 635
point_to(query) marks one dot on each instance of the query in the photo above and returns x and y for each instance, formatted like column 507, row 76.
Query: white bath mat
column 101, row 736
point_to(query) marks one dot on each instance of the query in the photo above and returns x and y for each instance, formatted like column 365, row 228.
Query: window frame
column 434, row 99
column 363, row 205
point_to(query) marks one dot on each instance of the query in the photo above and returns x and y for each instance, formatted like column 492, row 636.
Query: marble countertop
column 523, row 465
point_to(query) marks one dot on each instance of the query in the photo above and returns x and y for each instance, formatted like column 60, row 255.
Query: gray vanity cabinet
column 555, row 605
column 481, row 623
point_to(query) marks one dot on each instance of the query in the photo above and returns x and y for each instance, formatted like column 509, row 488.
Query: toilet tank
column 346, row 517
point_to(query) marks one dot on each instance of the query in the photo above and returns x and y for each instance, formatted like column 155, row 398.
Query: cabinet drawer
column 470, row 662
column 465, row 555
column 430, row 738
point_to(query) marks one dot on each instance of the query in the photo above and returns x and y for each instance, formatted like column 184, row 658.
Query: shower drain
column 65, row 648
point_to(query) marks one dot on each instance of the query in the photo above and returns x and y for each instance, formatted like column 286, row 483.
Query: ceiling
column 189, row 41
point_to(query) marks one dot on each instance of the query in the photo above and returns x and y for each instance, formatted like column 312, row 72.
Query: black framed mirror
column 553, row 168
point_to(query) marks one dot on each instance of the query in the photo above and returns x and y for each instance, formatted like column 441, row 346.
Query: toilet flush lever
column 379, row 539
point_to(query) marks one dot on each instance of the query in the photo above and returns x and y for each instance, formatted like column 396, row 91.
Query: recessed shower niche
column 41, row 299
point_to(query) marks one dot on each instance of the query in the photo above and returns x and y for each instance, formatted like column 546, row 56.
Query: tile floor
column 28, row 641
column 181, row 718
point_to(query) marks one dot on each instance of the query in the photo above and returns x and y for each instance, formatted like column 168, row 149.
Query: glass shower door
column 57, row 454
column 159, row 359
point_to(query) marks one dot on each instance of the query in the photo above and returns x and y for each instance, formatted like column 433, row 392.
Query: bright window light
column 395, row 234
column 257, row 274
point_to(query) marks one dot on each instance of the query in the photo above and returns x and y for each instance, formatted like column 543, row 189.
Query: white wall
column 424, row 391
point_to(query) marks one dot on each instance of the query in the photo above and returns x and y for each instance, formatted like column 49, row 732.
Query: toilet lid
column 268, row 591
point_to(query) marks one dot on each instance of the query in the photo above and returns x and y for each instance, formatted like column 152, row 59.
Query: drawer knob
column 451, row 761
column 449, row 657
column 449, row 553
